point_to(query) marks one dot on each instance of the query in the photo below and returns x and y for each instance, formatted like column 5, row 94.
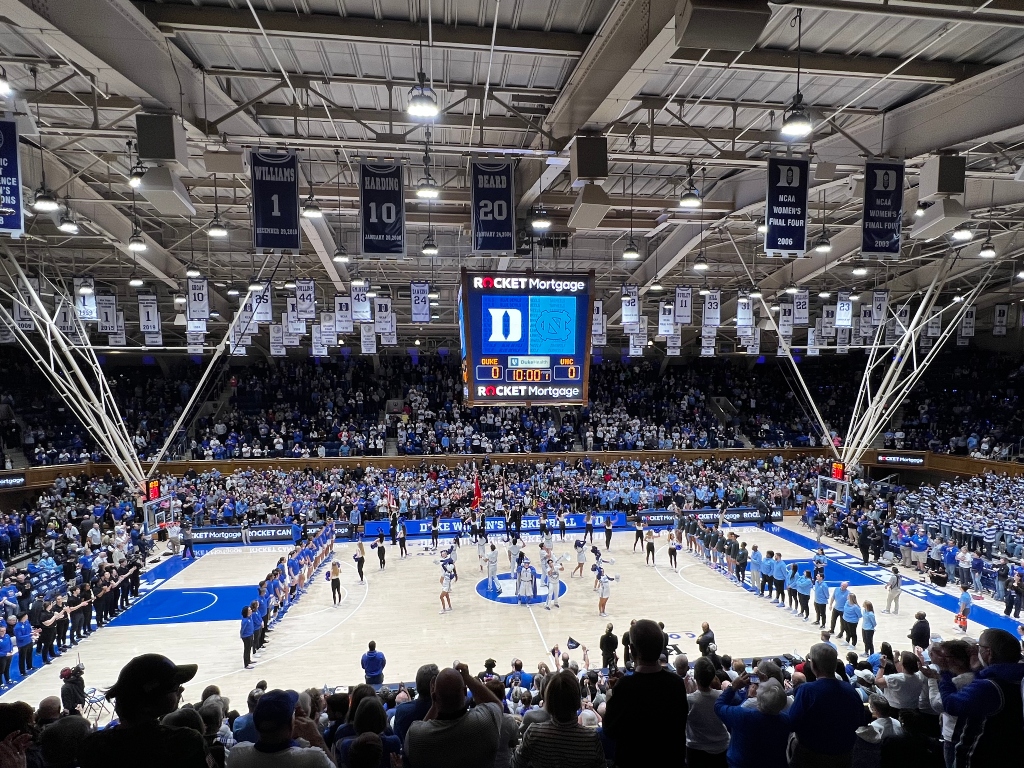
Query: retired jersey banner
column 786, row 208
column 275, row 201
column 262, row 311
column 149, row 314
column 967, row 324
column 24, row 306
column 883, row 208
column 744, row 311
column 382, row 210
column 684, row 305
column 866, row 322
column 197, row 299
column 879, row 306
column 933, row 329
column 106, row 313
column 361, row 312
column 786, row 320
column 367, row 339
column 494, row 207
column 12, row 221
column 844, row 310
column 713, row 308
column 802, row 308
column 305, row 299
column 64, row 317
column 343, row 314
column 419, row 295
column 630, row 307
column 85, row 298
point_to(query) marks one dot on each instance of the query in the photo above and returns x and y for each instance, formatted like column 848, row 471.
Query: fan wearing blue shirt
column 838, row 604
column 803, row 586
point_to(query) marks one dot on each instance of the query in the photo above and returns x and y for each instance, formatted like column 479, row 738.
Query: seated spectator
column 646, row 705
column 243, row 728
column 561, row 742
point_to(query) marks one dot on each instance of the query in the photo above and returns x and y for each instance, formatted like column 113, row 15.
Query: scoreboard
column 525, row 337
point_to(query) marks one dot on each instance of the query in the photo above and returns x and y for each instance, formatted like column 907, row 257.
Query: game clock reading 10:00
column 526, row 338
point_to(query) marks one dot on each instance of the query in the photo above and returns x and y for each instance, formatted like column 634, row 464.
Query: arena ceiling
column 519, row 79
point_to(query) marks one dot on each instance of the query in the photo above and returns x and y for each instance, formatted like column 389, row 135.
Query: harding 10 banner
column 382, row 210
column 786, row 208
column 275, row 201
column 883, row 208
column 493, row 207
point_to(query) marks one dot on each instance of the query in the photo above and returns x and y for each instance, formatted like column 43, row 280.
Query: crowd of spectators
column 954, row 703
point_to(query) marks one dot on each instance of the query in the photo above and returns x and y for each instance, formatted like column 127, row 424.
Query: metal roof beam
column 323, row 27
column 831, row 64
column 1012, row 15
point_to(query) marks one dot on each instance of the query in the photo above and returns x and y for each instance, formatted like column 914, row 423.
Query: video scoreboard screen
column 525, row 337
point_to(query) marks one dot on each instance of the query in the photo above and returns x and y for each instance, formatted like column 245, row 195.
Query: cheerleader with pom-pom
column 447, row 567
column 673, row 547
column 360, row 558
column 581, row 557
column 604, row 590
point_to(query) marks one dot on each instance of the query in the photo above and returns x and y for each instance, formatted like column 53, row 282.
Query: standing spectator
column 243, row 728
column 561, row 742
column 450, row 736
column 411, row 711
column 988, row 710
column 921, row 633
column 705, row 640
column 373, row 663
column 825, row 715
column 278, row 727
column 148, row 687
column 707, row 738
column 646, row 705
column 903, row 689
column 957, row 660
column 758, row 734
column 609, row 644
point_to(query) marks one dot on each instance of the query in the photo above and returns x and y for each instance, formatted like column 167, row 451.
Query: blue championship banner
column 275, row 201
column 493, row 207
column 883, row 208
column 12, row 219
column 382, row 210
column 786, row 209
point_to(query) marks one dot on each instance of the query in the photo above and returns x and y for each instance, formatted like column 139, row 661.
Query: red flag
column 477, row 495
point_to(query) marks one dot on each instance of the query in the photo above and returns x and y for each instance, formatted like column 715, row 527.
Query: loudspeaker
column 161, row 187
column 591, row 206
column 230, row 163
column 943, row 176
column 939, row 218
column 161, row 139
column 725, row 25
column 588, row 159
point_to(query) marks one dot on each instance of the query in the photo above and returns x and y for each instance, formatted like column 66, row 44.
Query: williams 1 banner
column 275, row 201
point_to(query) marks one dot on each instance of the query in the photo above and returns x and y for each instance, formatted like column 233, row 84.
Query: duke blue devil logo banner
column 275, row 201
column 382, row 210
column 493, row 207
column 883, row 208
column 786, row 209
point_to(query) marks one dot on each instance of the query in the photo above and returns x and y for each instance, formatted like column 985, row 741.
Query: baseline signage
column 902, row 459
column 275, row 201
column 883, row 208
column 382, row 210
column 786, row 208
column 12, row 480
column 527, row 337
column 530, row 523
column 226, row 534
column 493, row 207
column 12, row 223
column 709, row 515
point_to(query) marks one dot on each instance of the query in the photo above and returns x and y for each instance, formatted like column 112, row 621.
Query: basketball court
column 191, row 609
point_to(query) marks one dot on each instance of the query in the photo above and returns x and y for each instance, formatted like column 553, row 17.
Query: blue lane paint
column 188, row 606
column 507, row 595
column 844, row 566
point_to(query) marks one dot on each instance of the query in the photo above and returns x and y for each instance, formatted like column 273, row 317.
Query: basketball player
column 492, row 569
column 554, row 583
column 446, row 588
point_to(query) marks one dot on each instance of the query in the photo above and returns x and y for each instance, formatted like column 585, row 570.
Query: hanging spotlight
column 255, row 285
column 690, row 199
column 233, row 291
column 135, row 177
column 429, row 246
column 422, row 100
column 217, row 228
column 44, row 201
column 988, row 250
column 5, row 84
column 823, row 294
column 193, row 271
column 311, row 209
column 137, row 242
column 540, row 221
column 963, row 234
column 797, row 123
column 427, row 189
column 823, row 244
column 791, row 289
column 340, row 255
column 68, row 223
column 179, row 300
column 704, row 290
column 371, row 294
column 631, row 252
column 700, row 264
column 85, row 289
column 289, row 284
column 762, row 227
column 135, row 281
column 656, row 285
column 754, row 292
column 433, row 293
column 860, row 271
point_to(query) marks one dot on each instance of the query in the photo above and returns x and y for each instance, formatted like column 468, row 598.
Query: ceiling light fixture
column 690, row 199
column 371, row 294
column 754, row 292
column 920, row 209
column 429, row 246
column 179, row 300
column 340, row 255
column 5, row 84
column 433, row 293
column 797, row 122
column 135, row 177
column 135, row 281
column 136, row 243
column 854, row 297
column 860, row 271
column 823, row 244
column 792, row 289
column 358, row 282
column 762, row 227
column 823, row 294
column 988, row 250
column 700, row 264
column 631, row 252
column 963, row 234
column 427, row 189
column 540, row 221
column 255, row 285
column 86, row 289
column 217, row 228
column 68, row 224
column 311, row 208
column 232, row 291
column 193, row 271
column 422, row 100
column 44, row 201
column 289, row 284
column 704, row 289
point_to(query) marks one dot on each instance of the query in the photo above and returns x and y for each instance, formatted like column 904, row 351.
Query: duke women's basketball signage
column 883, row 208
column 493, row 207
column 382, row 210
column 786, row 209
column 275, row 201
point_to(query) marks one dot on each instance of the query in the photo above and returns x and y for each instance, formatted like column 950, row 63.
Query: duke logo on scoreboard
column 502, row 321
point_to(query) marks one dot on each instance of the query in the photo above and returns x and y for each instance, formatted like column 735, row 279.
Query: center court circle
column 507, row 595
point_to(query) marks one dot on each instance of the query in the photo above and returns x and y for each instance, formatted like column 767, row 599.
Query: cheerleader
column 446, row 586
column 607, row 532
column 481, row 550
column 526, row 583
column 581, row 557
column 360, row 558
column 492, row 570
column 394, row 527
column 453, row 555
column 588, row 529
column 548, row 540
column 649, row 545
column 673, row 547
column 604, row 592
column 561, row 525
column 554, row 583
column 380, row 549
column 435, row 528
column 639, row 528
column 401, row 541
column 336, row 582
column 515, row 549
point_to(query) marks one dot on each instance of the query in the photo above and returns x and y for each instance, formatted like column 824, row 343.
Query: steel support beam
column 998, row 13
column 350, row 29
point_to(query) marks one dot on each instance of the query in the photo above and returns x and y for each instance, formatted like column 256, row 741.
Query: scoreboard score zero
column 525, row 338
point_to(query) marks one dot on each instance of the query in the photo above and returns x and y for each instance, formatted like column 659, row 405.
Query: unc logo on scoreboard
column 502, row 319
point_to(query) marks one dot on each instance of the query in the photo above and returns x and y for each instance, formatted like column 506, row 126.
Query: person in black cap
column 149, row 687
column 278, row 727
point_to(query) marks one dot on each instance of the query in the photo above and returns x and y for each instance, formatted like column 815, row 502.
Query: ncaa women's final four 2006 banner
column 275, row 201
column 493, row 207
column 382, row 210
